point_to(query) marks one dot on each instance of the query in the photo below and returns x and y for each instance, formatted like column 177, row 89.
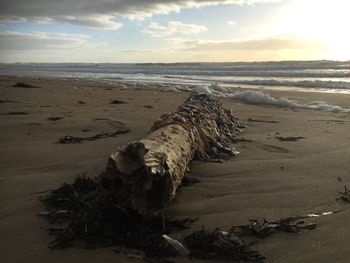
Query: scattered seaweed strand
column 344, row 196
column 74, row 139
column 265, row 228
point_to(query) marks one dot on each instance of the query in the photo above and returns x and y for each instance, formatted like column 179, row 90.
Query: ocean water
column 331, row 76
column 216, row 79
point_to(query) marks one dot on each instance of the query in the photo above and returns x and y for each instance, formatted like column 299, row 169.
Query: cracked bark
column 145, row 174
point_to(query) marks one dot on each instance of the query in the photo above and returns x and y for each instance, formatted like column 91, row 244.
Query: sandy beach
column 270, row 178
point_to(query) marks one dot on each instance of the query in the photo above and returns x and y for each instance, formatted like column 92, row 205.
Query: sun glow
column 325, row 21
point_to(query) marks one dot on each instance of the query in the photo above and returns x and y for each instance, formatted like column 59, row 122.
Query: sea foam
column 259, row 97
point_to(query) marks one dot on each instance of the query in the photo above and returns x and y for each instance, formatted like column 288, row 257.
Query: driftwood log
column 145, row 174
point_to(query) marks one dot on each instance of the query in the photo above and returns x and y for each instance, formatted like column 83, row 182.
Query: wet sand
column 270, row 178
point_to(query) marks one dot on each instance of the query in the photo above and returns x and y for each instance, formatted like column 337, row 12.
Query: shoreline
column 289, row 92
column 232, row 86
column 253, row 185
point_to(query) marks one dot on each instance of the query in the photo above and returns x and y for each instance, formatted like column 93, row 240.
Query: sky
column 142, row 31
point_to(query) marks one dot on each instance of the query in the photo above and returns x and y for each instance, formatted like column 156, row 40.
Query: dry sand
column 270, row 178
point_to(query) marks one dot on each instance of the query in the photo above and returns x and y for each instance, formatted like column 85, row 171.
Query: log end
column 138, row 178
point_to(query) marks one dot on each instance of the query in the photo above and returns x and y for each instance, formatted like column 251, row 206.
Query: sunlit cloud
column 173, row 27
column 268, row 43
column 231, row 23
column 276, row 47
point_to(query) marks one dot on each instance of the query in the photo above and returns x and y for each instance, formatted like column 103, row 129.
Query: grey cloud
column 11, row 41
column 100, row 21
column 100, row 13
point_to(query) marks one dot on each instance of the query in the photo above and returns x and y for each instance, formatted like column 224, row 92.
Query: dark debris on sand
column 74, row 139
column 237, row 140
column 24, row 85
column 16, row 113
column 265, row 228
column 55, row 118
column 8, row 101
column 90, row 218
column 289, row 138
column 266, row 121
column 100, row 221
column 220, row 245
column 344, row 196
column 118, row 102
column 94, row 220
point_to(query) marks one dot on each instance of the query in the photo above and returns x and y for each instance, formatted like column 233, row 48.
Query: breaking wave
column 322, row 84
column 259, row 97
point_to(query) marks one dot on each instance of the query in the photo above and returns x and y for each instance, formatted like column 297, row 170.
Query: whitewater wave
column 323, row 84
column 212, row 89
column 259, row 97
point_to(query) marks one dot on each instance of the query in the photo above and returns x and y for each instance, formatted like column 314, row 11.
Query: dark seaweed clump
column 89, row 218
column 289, row 138
column 263, row 229
column 219, row 245
column 99, row 221
column 24, row 85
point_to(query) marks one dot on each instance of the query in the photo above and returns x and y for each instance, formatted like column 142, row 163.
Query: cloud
column 57, row 47
column 231, row 23
column 268, row 43
column 280, row 47
column 100, row 13
column 12, row 41
column 173, row 27
column 100, row 21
